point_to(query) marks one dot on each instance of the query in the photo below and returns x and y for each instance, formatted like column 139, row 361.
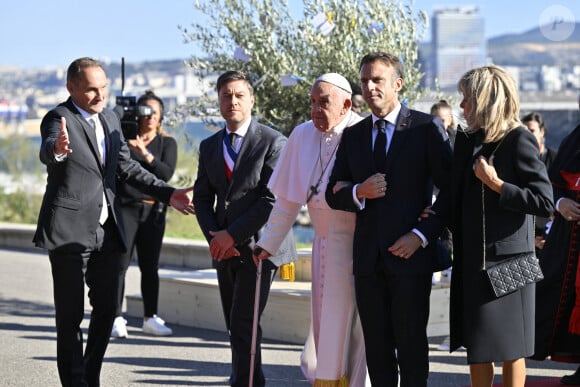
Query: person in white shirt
column 334, row 351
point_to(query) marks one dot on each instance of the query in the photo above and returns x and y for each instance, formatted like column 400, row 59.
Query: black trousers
column 144, row 229
column 100, row 269
column 394, row 312
column 237, row 284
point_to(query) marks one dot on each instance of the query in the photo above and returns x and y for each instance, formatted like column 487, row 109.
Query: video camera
column 130, row 115
column 128, row 110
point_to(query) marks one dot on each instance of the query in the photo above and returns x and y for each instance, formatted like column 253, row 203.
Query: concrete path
column 191, row 357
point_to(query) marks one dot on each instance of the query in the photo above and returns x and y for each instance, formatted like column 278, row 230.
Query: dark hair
column 234, row 75
column 535, row 116
column 78, row 65
column 441, row 104
column 149, row 95
column 386, row 58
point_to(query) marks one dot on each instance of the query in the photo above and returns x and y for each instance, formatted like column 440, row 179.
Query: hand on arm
column 426, row 213
column 340, row 185
column 375, row 186
column 62, row 142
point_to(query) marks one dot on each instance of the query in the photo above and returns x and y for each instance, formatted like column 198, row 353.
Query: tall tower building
column 458, row 43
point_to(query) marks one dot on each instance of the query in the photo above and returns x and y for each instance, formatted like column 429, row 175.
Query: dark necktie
column 104, row 208
column 380, row 148
column 233, row 153
column 232, row 137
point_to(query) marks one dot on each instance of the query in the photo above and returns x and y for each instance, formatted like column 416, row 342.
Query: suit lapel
column 399, row 137
column 108, row 146
column 367, row 142
column 217, row 158
column 251, row 139
column 92, row 137
column 89, row 133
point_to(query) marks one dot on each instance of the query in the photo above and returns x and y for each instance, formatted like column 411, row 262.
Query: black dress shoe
column 572, row 380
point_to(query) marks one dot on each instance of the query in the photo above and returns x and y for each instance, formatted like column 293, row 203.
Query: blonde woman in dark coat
column 498, row 155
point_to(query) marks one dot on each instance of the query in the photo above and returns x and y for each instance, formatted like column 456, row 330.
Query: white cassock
column 334, row 349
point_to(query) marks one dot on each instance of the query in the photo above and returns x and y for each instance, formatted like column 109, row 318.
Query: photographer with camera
column 144, row 216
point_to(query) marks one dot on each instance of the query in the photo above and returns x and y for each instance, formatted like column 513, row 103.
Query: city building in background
column 458, row 43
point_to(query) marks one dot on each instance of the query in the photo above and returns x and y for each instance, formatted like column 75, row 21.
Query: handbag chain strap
column 483, row 207
column 483, row 223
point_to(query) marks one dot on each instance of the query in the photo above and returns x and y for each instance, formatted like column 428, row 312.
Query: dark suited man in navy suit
column 80, row 221
column 385, row 171
column 232, row 203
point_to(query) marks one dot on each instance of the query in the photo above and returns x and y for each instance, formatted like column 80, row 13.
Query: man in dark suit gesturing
column 235, row 165
column 384, row 170
column 80, row 221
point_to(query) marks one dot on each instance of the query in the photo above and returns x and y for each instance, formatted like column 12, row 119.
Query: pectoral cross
column 313, row 191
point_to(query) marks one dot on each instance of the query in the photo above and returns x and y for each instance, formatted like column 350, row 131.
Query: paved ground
column 192, row 357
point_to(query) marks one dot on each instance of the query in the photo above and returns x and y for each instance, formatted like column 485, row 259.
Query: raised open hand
column 61, row 144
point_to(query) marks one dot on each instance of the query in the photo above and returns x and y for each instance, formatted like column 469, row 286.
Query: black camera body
column 130, row 115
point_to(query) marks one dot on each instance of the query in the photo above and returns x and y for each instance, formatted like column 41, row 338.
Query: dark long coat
column 494, row 329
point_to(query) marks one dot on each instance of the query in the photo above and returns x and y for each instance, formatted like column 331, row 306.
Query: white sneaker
column 444, row 346
column 156, row 326
column 436, row 278
column 119, row 328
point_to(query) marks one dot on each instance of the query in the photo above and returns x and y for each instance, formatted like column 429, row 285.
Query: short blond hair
column 495, row 104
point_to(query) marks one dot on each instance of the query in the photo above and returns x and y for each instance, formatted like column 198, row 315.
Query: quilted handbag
column 514, row 273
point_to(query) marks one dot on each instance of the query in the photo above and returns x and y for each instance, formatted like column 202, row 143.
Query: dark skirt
column 497, row 329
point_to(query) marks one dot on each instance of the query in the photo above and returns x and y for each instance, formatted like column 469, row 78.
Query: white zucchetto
column 336, row 80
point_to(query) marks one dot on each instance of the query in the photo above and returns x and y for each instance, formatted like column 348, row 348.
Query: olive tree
column 285, row 53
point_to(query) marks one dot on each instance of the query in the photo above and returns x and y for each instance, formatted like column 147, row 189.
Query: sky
column 40, row 33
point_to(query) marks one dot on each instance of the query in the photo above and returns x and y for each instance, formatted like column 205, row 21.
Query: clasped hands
column 222, row 247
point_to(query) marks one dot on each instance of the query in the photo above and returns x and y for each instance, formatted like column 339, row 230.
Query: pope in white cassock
column 334, row 352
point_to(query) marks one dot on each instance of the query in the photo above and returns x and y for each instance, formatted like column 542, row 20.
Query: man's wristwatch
column 257, row 251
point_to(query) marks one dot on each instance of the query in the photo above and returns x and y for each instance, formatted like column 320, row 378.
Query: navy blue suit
column 393, row 293
column 241, row 206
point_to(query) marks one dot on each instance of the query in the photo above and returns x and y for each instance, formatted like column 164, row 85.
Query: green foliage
column 279, row 44
column 18, row 154
column 182, row 226
column 19, row 207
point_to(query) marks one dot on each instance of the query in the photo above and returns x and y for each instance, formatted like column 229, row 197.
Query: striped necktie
column 230, row 154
